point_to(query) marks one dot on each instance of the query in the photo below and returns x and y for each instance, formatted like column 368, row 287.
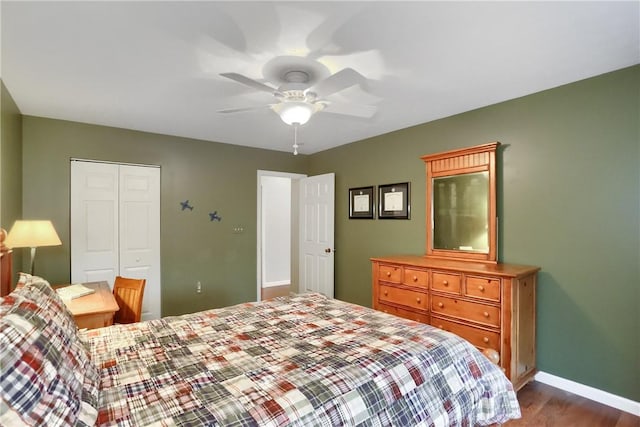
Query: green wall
column 10, row 163
column 569, row 191
column 211, row 176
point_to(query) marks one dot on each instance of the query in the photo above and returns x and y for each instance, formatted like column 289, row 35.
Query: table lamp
column 32, row 234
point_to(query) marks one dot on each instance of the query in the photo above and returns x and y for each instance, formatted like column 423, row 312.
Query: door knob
column 328, row 250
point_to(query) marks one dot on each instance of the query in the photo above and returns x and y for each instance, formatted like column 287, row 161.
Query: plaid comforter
column 303, row 360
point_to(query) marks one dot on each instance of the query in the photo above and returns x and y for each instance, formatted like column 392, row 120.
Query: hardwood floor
column 275, row 291
column 543, row 405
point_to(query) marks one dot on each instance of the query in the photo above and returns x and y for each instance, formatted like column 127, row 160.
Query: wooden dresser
column 493, row 306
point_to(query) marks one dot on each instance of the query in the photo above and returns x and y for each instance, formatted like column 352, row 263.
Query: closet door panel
column 140, row 232
column 94, row 222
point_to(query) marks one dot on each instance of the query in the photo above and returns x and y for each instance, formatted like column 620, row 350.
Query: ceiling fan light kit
column 298, row 112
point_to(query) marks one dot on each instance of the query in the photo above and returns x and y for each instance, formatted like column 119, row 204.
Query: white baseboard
column 277, row 283
column 600, row 396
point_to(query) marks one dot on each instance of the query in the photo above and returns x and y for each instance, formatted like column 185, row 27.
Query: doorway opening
column 277, row 238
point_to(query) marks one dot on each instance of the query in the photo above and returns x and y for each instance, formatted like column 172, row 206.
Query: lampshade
column 32, row 234
column 295, row 112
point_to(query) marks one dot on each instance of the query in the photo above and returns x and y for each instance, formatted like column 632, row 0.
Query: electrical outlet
column 198, row 287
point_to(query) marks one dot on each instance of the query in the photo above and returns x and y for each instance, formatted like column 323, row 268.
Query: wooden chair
column 128, row 294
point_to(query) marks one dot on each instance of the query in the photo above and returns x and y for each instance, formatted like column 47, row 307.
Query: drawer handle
column 418, row 300
column 481, row 288
column 444, row 282
column 486, row 340
column 388, row 274
column 415, row 278
column 440, row 305
column 385, row 293
column 485, row 314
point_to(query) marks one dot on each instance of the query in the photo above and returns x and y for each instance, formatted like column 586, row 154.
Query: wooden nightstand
column 95, row 310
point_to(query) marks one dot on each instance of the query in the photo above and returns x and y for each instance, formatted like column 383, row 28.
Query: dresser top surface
column 499, row 269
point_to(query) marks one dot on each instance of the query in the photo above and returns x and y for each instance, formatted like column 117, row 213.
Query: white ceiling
column 154, row 66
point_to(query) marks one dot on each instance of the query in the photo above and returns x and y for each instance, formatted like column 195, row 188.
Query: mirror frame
column 479, row 158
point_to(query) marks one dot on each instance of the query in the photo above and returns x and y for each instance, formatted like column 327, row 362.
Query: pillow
column 47, row 376
column 22, row 279
column 39, row 290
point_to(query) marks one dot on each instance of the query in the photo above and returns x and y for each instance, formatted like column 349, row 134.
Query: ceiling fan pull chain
column 295, row 139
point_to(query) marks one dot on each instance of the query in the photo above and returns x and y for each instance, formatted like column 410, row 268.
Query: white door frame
column 261, row 173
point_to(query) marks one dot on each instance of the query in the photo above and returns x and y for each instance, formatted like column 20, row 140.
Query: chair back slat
column 128, row 294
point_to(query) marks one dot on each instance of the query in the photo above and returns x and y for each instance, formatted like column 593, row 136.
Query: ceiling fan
column 301, row 89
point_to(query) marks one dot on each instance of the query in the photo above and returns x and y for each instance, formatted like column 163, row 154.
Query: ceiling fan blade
column 333, row 35
column 243, row 109
column 249, row 82
column 336, row 82
column 356, row 110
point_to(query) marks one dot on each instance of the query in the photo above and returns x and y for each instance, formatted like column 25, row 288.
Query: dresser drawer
column 413, row 277
column 404, row 297
column 390, row 273
column 476, row 336
column 483, row 287
column 445, row 282
column 467, row 310
column 407, row 314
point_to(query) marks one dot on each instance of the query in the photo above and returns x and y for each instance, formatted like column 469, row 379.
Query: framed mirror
column 461, row 204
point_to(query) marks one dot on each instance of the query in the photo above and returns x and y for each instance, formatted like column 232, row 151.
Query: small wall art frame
column 394, row 201
column 361, row 203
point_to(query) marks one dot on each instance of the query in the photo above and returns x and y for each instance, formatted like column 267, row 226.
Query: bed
column 300, row 360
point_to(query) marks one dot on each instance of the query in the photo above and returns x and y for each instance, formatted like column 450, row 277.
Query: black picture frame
column 361, row 203
column 394, row 201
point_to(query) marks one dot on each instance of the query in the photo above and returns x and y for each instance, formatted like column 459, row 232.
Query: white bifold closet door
column 115, row 226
